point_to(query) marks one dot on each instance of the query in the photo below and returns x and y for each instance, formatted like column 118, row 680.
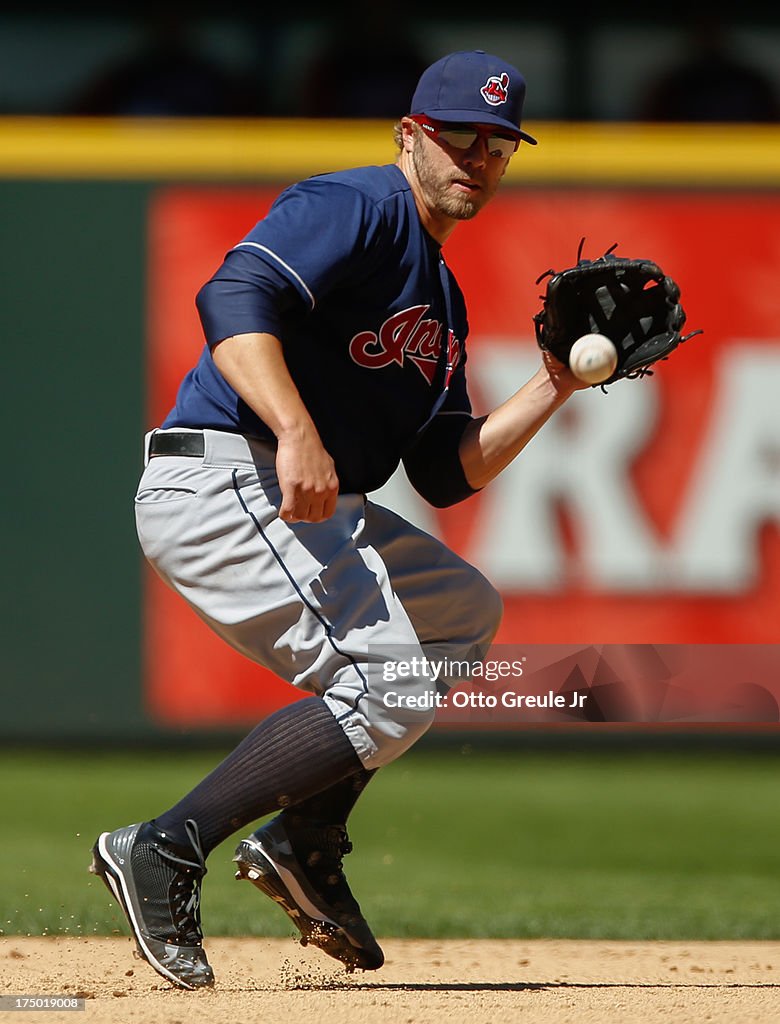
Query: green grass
column 544, row 844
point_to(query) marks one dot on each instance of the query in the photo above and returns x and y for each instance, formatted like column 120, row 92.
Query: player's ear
column 408, row 129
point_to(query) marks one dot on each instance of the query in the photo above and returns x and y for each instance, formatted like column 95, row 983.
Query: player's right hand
column 307, row 478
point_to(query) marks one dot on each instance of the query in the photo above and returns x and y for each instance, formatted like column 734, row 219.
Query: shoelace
column 325, row 858
column 185, row 888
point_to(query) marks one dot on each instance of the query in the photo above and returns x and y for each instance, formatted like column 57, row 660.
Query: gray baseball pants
column 322, row 605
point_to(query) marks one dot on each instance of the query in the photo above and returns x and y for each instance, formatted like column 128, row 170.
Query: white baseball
column 593, row 358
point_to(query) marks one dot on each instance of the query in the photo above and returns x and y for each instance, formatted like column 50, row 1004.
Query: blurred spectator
column 367, row 67
column 712, row 84
column 167, row 76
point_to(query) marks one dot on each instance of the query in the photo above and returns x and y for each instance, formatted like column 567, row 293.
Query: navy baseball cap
column 475, row 87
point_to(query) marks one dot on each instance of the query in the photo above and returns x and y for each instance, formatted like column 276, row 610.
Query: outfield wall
column 663, row 529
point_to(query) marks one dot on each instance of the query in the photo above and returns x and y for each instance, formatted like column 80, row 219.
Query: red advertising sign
column 644, row 515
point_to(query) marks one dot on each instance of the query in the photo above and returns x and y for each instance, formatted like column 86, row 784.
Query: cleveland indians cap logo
column 496, row 89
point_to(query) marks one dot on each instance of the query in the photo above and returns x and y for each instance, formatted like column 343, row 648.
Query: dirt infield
column 423, row 982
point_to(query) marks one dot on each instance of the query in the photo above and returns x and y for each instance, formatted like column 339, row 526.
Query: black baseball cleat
column 157, row 884
column 298, row 864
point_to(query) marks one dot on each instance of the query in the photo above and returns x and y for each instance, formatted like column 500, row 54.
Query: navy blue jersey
column 373, row 324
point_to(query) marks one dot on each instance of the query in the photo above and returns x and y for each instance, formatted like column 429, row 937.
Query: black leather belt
column 173, row 443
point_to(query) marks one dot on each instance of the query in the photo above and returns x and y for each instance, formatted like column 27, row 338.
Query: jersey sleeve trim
column 281, row 262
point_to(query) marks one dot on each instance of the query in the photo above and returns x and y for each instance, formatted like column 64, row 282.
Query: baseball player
column 335, row 349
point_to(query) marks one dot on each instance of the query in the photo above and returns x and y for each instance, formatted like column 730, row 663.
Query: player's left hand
column 561, row 377
column 629, row 301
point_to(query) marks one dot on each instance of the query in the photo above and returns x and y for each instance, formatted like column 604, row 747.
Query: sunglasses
column 463, row 136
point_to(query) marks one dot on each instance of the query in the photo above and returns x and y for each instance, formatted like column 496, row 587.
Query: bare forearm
column 492, row 442
column 255, row 367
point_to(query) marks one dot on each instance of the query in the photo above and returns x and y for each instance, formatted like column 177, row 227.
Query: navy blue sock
column 333, row 805
column 293, row 754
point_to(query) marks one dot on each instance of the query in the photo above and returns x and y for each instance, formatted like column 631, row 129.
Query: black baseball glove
column 630, row 301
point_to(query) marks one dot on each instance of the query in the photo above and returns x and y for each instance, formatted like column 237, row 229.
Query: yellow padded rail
column 276, row 149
